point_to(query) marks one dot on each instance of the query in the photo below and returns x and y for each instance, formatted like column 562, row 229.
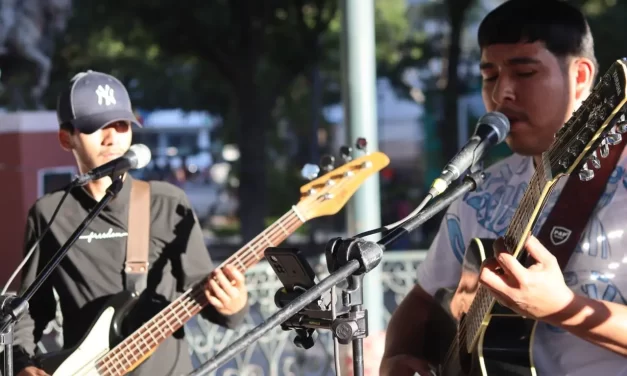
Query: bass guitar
column 109, row 350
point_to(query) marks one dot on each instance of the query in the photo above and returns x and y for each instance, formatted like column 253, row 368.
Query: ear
column 65, row 139
column 583, row 72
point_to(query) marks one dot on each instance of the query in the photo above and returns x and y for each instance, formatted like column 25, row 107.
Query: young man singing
column 538, row 65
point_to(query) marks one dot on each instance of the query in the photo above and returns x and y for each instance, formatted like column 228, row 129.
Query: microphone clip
column 475, row 168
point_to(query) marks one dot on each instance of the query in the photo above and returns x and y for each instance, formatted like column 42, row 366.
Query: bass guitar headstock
column 327, row 194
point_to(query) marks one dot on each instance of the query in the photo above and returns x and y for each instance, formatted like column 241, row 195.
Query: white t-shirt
column 598, row 268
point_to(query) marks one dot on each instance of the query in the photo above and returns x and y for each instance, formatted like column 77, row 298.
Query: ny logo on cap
column 105, row 94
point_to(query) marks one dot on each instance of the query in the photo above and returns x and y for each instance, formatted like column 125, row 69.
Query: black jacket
column 92, row 270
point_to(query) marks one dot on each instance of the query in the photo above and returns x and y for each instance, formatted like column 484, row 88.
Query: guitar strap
column 138, row 240
column 566, row 222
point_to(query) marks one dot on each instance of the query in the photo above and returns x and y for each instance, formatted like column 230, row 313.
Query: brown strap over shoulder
column 138, row 240
column 566, row 222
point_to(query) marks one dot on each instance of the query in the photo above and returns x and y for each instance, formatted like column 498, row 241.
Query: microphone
column 137, row 156
column 492, row 128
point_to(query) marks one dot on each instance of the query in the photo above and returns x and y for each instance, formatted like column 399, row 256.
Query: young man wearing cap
column 538, row 65
column 95, row 118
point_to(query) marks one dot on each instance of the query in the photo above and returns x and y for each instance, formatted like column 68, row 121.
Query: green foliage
column 193, row 55
column 594, row 8
column 235, row 58
column 607, row 20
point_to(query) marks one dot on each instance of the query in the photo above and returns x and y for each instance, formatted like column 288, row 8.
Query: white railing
column 274, row 354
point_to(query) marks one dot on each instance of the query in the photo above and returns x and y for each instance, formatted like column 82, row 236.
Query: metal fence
column 275, row 354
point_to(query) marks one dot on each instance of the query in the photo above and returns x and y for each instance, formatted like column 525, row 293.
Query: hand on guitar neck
column 226, row 290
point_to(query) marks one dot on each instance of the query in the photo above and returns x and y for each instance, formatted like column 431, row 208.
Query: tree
column 258, row 49
column 236, row 58
column 606, row 23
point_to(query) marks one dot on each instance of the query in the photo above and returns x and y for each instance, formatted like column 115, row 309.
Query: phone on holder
column 296, row 275
column 291, row 268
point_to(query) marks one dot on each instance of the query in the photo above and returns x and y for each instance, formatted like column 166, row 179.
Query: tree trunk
column 253, row 120
column 448, row 130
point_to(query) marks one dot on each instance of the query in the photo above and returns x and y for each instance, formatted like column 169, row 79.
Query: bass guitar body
column 502, row 347
column 109, row 329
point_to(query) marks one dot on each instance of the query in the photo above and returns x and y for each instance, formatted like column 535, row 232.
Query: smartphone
column 297, row 275
column 291, row 268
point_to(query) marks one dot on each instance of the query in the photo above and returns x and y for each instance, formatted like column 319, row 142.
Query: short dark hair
column 562, row 27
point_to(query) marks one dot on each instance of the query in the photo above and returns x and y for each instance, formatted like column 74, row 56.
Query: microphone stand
column 468, row 184
column 13, row 307
column 346, row 258
column 288, row 311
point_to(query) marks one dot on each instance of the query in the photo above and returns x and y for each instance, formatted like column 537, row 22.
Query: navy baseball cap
column 93, row 100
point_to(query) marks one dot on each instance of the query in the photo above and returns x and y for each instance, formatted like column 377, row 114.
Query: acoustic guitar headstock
column 597, row 125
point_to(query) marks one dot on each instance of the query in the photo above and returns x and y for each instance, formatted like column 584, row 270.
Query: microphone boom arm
column 348, row 258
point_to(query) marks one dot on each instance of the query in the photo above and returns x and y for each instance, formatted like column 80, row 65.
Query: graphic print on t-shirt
column 494, row 203
column 103, row 235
